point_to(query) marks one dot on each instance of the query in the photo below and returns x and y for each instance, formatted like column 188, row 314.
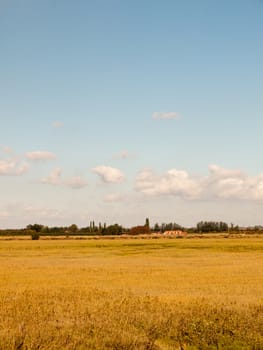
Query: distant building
column 176, row 233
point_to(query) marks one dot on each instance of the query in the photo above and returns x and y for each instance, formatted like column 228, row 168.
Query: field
column 131, row 294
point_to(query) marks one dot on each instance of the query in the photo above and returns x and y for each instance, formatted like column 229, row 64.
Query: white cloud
column 174, row 182
column 13, row 167
column 220, row 184
column 232, row 184
column 225, row 183
column 109, row 174
column 54, row 178
column 40, row 155
column 165, row 115
column 75, row 182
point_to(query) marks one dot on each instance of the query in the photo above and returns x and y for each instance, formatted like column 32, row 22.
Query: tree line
column 36, row 230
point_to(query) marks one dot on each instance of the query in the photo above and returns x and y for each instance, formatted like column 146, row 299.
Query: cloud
column 174, row 182
column 232, row 184
column 7, row 150
column 54, row 178
column 165, row 115
column 219, row 184
column 109, row 174
column 57, row 125
column 226, row 183
column 75, row 182
column 124, row 154
column 13, row 167
column 40, row 155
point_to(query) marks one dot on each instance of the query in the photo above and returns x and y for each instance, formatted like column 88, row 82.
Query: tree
column 147, row 223
column 73, row 228
column 112, row 230
column 35, row 227
column 35, row 236
column 156, row 228
column 211, row 226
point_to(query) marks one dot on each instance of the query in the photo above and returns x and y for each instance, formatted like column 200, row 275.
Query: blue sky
column 117, row 110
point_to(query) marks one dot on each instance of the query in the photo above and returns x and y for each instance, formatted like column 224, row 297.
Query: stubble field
column 131, row 294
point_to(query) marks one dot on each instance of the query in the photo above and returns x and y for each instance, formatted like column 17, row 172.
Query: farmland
column 131, row 294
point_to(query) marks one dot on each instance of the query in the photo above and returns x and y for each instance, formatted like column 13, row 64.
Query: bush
column 35, row 236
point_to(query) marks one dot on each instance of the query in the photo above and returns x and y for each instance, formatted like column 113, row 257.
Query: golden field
column 131, row 294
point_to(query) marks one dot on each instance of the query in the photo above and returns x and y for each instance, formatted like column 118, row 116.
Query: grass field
column 131, row 294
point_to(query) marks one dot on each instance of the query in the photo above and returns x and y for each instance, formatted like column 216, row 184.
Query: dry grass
column 131, row 294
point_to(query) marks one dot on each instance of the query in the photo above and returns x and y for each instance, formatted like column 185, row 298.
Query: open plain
column 131, row 294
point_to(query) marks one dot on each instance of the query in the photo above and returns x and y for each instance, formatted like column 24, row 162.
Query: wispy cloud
column 7, row 150
column 124, row 154
column 12, row 164
column 57, row 125
column 75, row 182
column 13, row 167
column 40, row 155
column 165, row 115
column 109, row 174
column 55, row 178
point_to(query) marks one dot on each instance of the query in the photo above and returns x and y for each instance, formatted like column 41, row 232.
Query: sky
column 118, row 110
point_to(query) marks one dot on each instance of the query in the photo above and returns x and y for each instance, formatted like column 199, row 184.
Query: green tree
column 147, row 223
column 35, row 236
column 73, row 228
column 112, row 230
column 156, row 228
column 211, row 226
column 35, row 227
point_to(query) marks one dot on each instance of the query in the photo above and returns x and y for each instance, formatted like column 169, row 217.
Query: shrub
column 35, row 236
